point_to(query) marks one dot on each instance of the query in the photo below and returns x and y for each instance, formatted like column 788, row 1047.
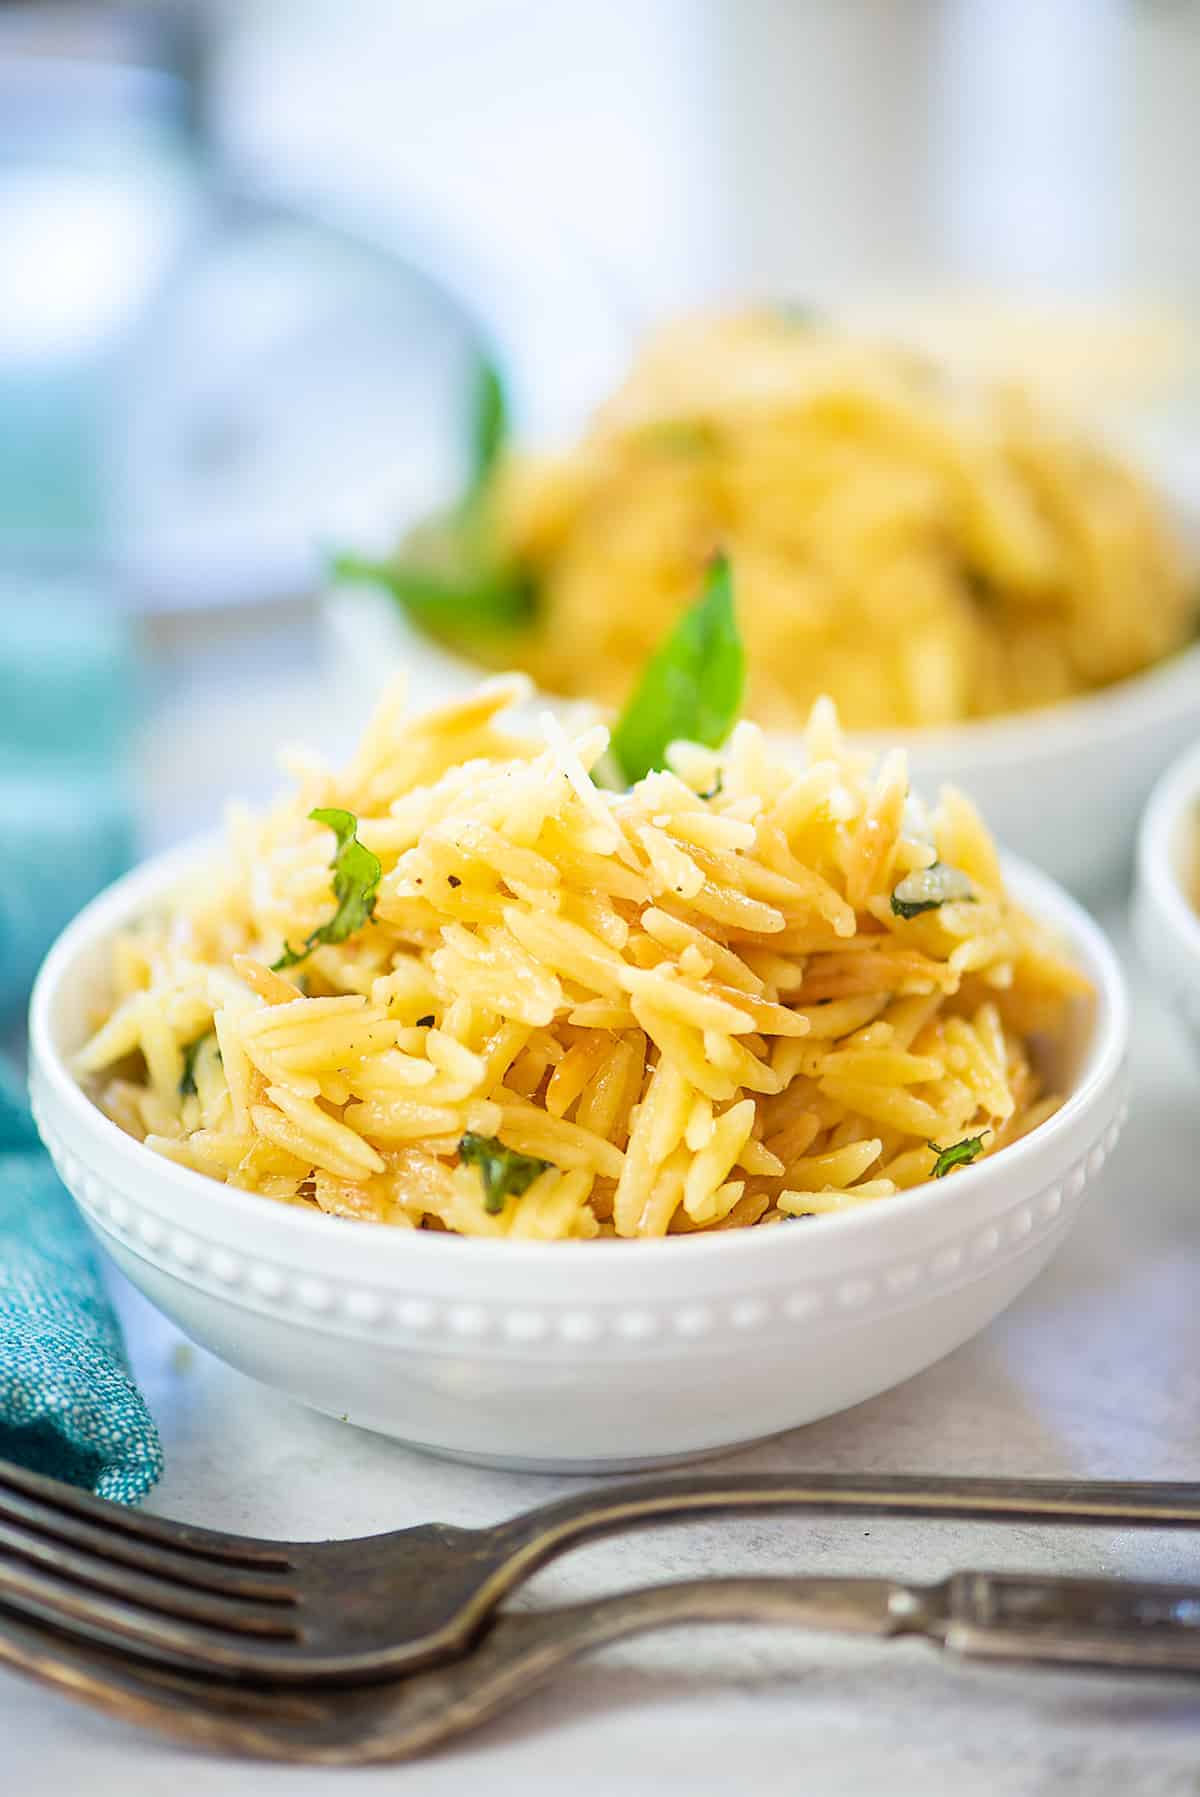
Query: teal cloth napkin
column 68, row 1404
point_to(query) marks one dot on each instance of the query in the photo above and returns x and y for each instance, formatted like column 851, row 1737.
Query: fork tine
column 233, row 1550
column 32, row 1591
column 165, row 1596
column 231, row 1718
column 83, row 1542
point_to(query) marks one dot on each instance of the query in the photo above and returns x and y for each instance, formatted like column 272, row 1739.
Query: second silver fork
column 1032, row 1620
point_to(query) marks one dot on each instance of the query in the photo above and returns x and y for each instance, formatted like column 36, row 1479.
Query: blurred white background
column 561, row 174
column 685, row 144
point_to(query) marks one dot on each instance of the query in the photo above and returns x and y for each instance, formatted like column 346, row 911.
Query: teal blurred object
column 68, row 696
column 97, row 198
column 68, row 1405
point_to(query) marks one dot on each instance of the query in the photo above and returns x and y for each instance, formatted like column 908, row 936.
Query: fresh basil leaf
column 959, row 1154
column 505, row 1173
column 443, row 581
column 489, row 426
column 446, row 572
column 691, row 688
column 356, row 876
column 930, row 887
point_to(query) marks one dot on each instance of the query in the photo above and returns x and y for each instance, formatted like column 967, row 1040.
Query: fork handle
column 976, row 1615
column 1126, row 1624
column 537, row 1536
column 1032, row 1619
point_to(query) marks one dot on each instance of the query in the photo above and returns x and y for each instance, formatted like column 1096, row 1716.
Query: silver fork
column 303, row 1612
column 1034, row 1620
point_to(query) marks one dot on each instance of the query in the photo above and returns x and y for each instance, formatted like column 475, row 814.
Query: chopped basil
column 504, row 1173
column 716, row 789
column 959, row 1154
column 679, row 436
column 356, row 876
column 799, row 314
column 981, row 588
column 691, row 688
column 426, row 1022
column 446, row 572
column 187, row 1081
column 930, row 887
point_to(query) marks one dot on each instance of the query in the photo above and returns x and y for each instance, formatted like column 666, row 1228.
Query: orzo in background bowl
column 964, row 573
column 1063, row 786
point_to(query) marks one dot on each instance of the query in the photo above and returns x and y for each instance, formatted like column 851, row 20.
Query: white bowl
column 571, row 1355
column 1062, row 786
column 1165, row 922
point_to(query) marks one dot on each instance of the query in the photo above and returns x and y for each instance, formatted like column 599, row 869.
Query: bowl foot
column 592, row 1468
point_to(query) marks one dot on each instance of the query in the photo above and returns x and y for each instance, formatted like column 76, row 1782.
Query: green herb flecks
column 930, row 887
column 679, row 436
column 716, row 789
column 427, row 1022
column 981, row 588
column 505, row 1173
column 446, row 573
column 799, row 315
column 691, row 688
column 356, row 876
column 959, row 1154
column 187, row 1080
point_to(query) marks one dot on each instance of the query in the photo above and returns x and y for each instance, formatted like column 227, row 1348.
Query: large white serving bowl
column 1063, row 786
column 577, row 1356
column 1165, row 920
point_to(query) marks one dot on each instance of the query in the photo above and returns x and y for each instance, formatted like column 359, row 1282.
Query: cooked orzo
column 923, row 548
column 480, row 993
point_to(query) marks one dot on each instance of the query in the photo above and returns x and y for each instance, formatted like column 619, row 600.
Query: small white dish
column 1165, row 921
column 1063, row 786
column 569, row 1356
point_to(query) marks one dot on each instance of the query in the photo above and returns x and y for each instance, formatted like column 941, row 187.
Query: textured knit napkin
column 67, row 1404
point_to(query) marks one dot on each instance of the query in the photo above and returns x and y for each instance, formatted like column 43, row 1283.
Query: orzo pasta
column 923, row 549
column 741, row 992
